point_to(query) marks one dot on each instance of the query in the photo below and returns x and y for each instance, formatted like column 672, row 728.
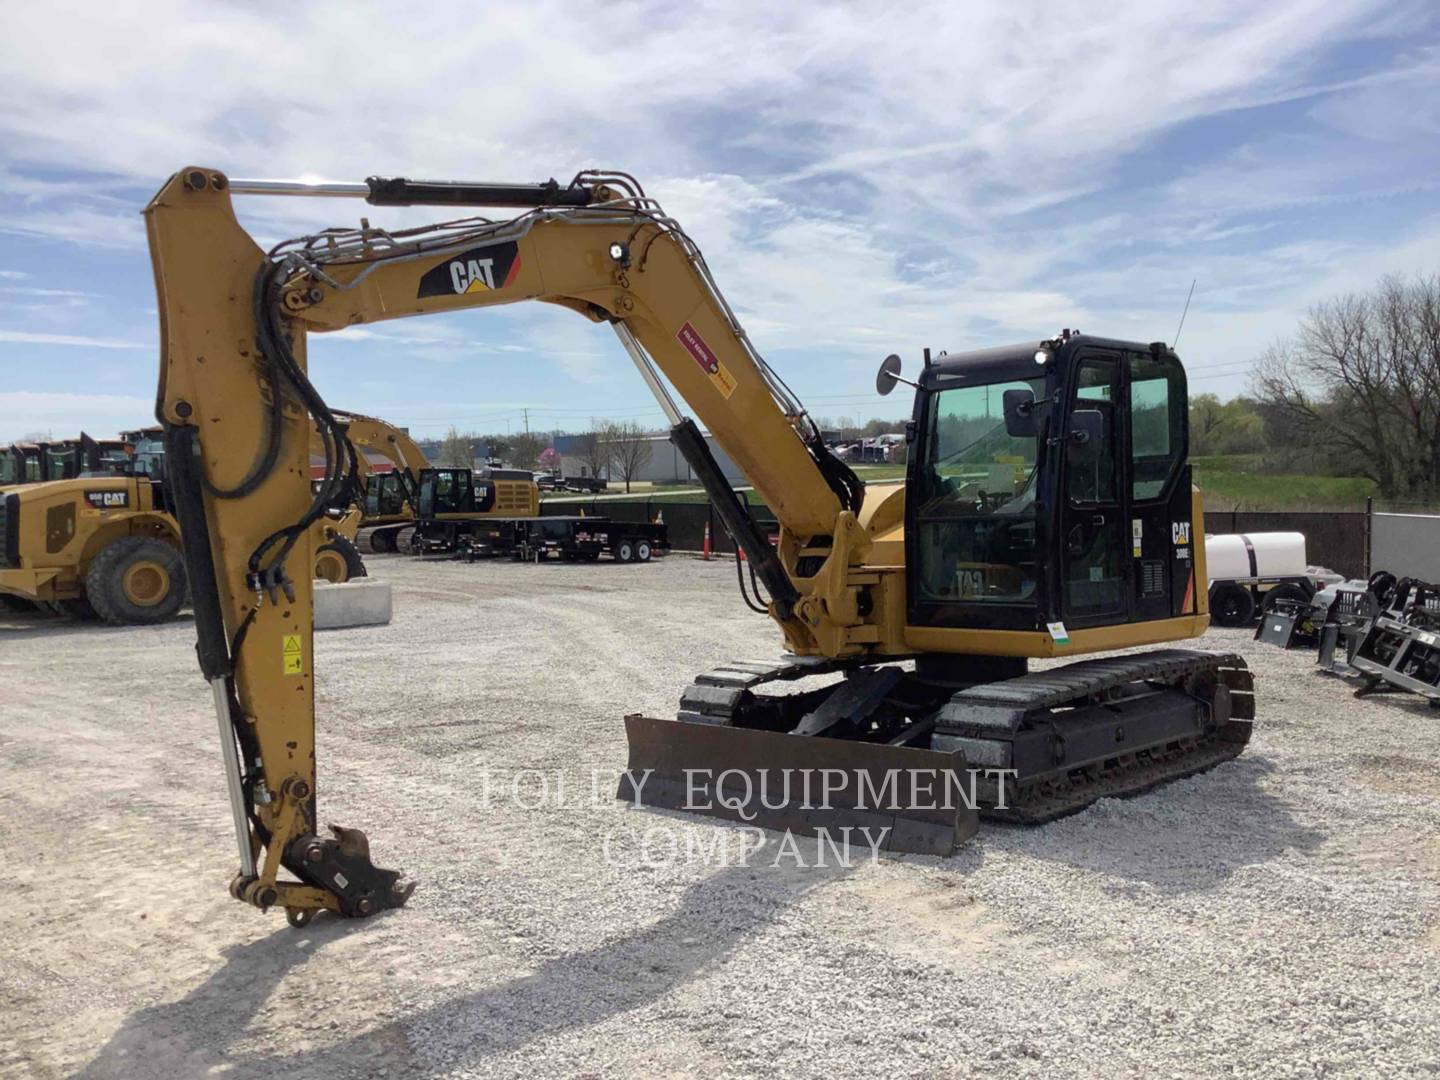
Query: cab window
column 1157, row 424
column 976, row 507
column 1090, row 477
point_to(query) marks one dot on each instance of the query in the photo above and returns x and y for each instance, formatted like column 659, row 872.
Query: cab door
column 1093, row 556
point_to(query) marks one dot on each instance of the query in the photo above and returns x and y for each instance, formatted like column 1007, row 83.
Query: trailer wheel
column 642, row 551
column 1282, row 592
column 339, row 561
column 624, row 551
column 136, row 580
column 1231, row 605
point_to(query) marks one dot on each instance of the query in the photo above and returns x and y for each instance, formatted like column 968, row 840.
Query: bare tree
column 455, row 450
column 525, row 450
column 594, row 452
column 629, row 447
column 1363, row 375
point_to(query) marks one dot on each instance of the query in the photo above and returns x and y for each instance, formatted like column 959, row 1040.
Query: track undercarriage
column 924, row 753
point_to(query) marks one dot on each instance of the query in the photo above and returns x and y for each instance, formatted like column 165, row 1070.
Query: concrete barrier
column 363, row 602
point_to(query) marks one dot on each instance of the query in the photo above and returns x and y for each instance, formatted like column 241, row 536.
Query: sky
column 863, row 178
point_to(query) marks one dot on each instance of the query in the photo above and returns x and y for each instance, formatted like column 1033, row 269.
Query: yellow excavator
column 448, row 498
column 1047, row 512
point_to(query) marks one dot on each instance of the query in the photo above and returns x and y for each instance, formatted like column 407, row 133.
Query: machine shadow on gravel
column 29, row 627
column 715, row 917
column 190, row 1036
column 1189, row 837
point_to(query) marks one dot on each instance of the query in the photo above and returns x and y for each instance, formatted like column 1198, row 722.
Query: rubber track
column 1069, row 790
column 716, row 695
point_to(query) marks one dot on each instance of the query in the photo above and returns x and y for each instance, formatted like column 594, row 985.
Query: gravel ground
column 1279, row 915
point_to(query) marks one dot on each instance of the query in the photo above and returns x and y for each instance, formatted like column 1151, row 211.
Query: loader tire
column 136, row 581
column 1232, row 605
column 338, row 562
column 16, row 603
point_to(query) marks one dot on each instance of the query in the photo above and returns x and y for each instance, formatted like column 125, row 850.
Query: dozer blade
column 918, row 800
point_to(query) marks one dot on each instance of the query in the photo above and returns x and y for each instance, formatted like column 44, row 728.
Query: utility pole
column 527, row 420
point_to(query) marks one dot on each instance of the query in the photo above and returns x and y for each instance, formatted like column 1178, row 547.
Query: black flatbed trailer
column 571, row 539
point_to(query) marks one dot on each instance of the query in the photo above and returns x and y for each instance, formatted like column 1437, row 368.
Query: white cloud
column 78, row 224
column 22, row 337
column 63, row 415
column 14, row 290
column 13, row 275
column 862, row 179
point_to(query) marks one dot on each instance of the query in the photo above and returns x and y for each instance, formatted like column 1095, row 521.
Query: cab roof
column 1014, row 361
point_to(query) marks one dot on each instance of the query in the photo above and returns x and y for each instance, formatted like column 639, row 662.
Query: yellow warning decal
column 723, row 380
column 291, row 654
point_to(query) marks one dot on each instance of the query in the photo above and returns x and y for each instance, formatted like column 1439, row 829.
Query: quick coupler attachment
column 341, row 866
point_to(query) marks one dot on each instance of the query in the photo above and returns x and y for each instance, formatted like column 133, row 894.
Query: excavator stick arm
column 233, row 383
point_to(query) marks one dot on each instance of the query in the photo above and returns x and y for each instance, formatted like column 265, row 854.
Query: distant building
column 666, row 465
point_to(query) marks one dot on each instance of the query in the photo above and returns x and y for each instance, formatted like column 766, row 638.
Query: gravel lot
column 1277, row 916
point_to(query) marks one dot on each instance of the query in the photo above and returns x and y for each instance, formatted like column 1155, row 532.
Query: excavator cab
column 453, row 491
column 385, row 495
column 1048, row 488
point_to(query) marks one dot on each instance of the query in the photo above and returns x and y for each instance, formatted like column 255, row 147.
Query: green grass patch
column 658, row 496
column 880, row 473
column 1232, row 485
column 1229, row 481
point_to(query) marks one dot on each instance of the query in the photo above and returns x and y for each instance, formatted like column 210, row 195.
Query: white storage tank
column 1243, row 556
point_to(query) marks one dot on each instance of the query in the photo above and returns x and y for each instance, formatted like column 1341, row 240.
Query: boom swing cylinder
column 239, row 409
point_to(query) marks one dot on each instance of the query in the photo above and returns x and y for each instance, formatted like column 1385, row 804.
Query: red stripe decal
column 514, row 270
column 695, row 345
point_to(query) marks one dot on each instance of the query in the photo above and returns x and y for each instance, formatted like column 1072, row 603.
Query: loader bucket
column 920, row 801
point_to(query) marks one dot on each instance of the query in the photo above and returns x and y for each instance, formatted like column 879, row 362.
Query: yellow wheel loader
column 108, row 547
column 1047, row 512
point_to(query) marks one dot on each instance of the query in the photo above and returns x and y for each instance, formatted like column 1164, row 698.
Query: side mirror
column 888, row 375
column 1087, row 434
column 1020, row 418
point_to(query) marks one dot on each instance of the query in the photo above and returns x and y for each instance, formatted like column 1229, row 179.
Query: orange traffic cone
column 659, row 517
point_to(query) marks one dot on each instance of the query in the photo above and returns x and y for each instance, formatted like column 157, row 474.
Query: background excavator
column 393, row 501
column 1047, row 511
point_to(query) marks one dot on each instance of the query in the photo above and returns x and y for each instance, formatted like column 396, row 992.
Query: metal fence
column 1408, row 545
column 1334, row 540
